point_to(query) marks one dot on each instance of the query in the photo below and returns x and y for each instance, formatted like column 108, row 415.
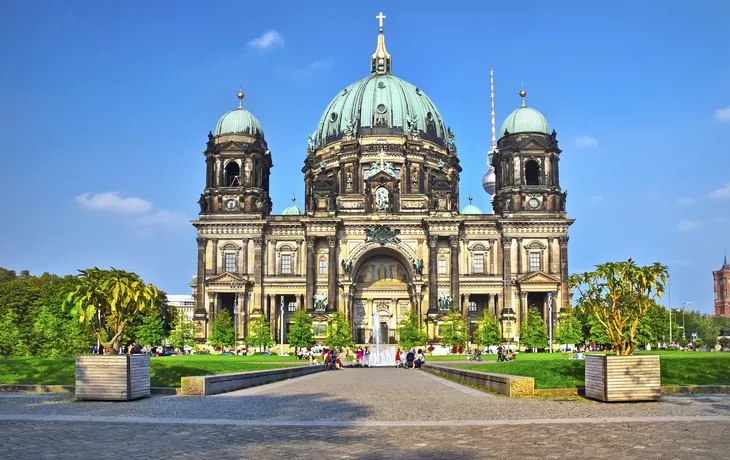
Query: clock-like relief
column 231, row 204
column 533, row 203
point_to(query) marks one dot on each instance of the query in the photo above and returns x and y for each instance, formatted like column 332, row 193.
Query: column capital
column 433, row 241
column 201, row 242
column 563, row 240
column 258, row 241
column 506, row 240
column 332, row 241
column 454, row 241
column 310, row 241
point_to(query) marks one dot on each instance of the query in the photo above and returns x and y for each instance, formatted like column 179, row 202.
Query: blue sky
column 106, row 107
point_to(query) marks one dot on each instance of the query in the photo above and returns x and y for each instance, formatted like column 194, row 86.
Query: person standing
column 359, row 354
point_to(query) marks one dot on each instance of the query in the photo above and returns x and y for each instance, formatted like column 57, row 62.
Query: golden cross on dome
column 380, row 18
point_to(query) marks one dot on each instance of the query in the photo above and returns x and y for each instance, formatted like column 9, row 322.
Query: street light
column 508, row 316
column 281, row 327
column 684, row 336
column 236, row 286
column 550, row 319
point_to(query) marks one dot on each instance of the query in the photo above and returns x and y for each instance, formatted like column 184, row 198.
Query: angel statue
column 311, row 141
column 320, row 301
column 350, row 127
column 347, row 266
column 444, row 301
column 412, row 124
column 451, row 140
column 417, row 266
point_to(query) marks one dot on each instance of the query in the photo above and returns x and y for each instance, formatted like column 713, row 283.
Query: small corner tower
column 721, row 278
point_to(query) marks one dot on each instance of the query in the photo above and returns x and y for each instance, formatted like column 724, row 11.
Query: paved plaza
column 364, row 414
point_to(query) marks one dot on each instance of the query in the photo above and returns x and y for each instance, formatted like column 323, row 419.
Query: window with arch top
column 233, row 172
column 532, row 172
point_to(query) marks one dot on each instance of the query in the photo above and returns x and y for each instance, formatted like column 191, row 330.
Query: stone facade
column 381, row 231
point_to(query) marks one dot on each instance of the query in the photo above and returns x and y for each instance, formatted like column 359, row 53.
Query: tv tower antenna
column 489, row 179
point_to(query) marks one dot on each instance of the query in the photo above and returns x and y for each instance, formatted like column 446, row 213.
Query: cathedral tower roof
column 239, row 121
column 524, row 120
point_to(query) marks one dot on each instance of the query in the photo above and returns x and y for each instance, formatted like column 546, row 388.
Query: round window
column 381, row 85
column 381, row 108
column 429, row 115
column 333, row 116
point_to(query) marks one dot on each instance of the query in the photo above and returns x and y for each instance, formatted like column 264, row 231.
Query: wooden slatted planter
column 112, row 377
column 612, row 378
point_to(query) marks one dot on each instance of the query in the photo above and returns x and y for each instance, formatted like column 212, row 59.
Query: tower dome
column 471, row 209
column 524, row 120
column 292, row 210
column 239, row 121
column 381, row 104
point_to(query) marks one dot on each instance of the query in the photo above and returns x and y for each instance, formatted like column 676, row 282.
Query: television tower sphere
column 488, row 182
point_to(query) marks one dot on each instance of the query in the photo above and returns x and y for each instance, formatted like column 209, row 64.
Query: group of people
column 504, row 354
column 330, row 358
column 411, row 360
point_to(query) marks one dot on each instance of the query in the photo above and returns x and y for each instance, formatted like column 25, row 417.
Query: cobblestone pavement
column 364, row 414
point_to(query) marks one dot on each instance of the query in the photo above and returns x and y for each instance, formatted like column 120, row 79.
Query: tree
column 708, row 330
column 151, row 332
column 453, row 329
column 183, row 333
column 569, row 330
column 116, row 295
column 654, row 326
column 300, row 333
column 259, row 334
column 222, row 333
column 534, row 332
column 618, row 295
column 339, row 334
column 409, row 334
column 487, row 332
column 8, row 335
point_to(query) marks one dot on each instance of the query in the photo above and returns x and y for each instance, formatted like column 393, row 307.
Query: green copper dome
column 524, row 120
column 239, row 121
column 292, row 210
column 381, row 104
column 471, row 209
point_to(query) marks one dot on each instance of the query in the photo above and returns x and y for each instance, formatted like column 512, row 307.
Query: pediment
column 225, row 279
column 382, row 176
column 538, row 277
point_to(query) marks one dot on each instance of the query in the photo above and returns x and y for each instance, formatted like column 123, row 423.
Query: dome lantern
column 380, row 62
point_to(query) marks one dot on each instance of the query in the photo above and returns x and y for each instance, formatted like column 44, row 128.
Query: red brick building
column 722, row 290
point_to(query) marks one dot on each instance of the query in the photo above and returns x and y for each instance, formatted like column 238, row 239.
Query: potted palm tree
column 107, row 300
column 619, row 295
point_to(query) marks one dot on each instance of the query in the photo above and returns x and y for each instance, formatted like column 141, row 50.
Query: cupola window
column 532, row 173
column 233, row 171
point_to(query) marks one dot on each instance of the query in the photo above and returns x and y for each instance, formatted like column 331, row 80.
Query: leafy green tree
column 568, row 330
column 9, row 335
column 183, row 332
column 338, row 333
column 19, row 309
column 259, row 334
column 409, row 334
column 7, row 275
column 618, row 295
column 151, row 332
column 300, row 333
column 708, row 330
column 534, row 332
column 222, row 333
column 487, row 332
column 654, row 326
column 453, row 329
column 116, row 294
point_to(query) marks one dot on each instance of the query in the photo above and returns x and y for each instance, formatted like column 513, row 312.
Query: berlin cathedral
column 380, row 232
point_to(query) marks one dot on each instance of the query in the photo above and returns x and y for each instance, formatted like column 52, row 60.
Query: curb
column 72, row 389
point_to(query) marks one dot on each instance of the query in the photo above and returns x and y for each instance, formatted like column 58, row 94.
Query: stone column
column 454, row 243
column 258, row 262
column 493, row 306
column 332, row 272
column 550, row 255
column 507, row 271
column 523, row 308
column 432, row 274
column 298, row 299
column 519, row 257
column 199, row 315
column 500, row 255
column 214, row 256
column 565, row 293
column 310, row 273
column 244, row 256
column 219, row 167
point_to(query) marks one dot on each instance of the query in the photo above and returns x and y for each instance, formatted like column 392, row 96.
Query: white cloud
column 689, row 225
column 722, row 193
column 112, row 202
column 723, row 115
column 586, row 142
column 267, row 41
column 685, row 200
column 320, row 65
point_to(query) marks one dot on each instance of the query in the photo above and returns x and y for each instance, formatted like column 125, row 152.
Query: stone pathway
column 364, row 414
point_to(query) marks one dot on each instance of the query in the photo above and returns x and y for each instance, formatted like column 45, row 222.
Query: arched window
column 232, row 173
column 532, row 173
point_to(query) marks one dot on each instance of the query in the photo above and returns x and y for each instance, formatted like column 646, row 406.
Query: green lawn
column 677, row 368
column 165, row 371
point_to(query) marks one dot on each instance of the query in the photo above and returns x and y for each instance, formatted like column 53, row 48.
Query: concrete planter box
column 611, row 378
column 112, row 377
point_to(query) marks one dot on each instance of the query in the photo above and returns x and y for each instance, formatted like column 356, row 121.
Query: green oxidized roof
column 381, row 104
column 524, row 120
column 292, row 210
column 239, row 121
column 471, row 209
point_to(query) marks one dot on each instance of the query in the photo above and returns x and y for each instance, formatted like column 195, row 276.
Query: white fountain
column 380, row 356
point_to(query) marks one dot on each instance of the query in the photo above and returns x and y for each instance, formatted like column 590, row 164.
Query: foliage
column 487, row 332
column 222, row 333
column 300, row 332
column 151, row 332
column 654, row 326
column 618, row 295
column 453, row 330
column 339, row 334
column 409, row 334
column 708, row 330
column 259, row 334
column 568, row 330
column 534, row 333
column 116, row 295
column 183, row 333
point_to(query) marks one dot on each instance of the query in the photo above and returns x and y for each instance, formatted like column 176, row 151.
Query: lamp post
column 281, row 327
column 684, row 336
column 236, row 286
column 508, row 316
column 550, row 320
